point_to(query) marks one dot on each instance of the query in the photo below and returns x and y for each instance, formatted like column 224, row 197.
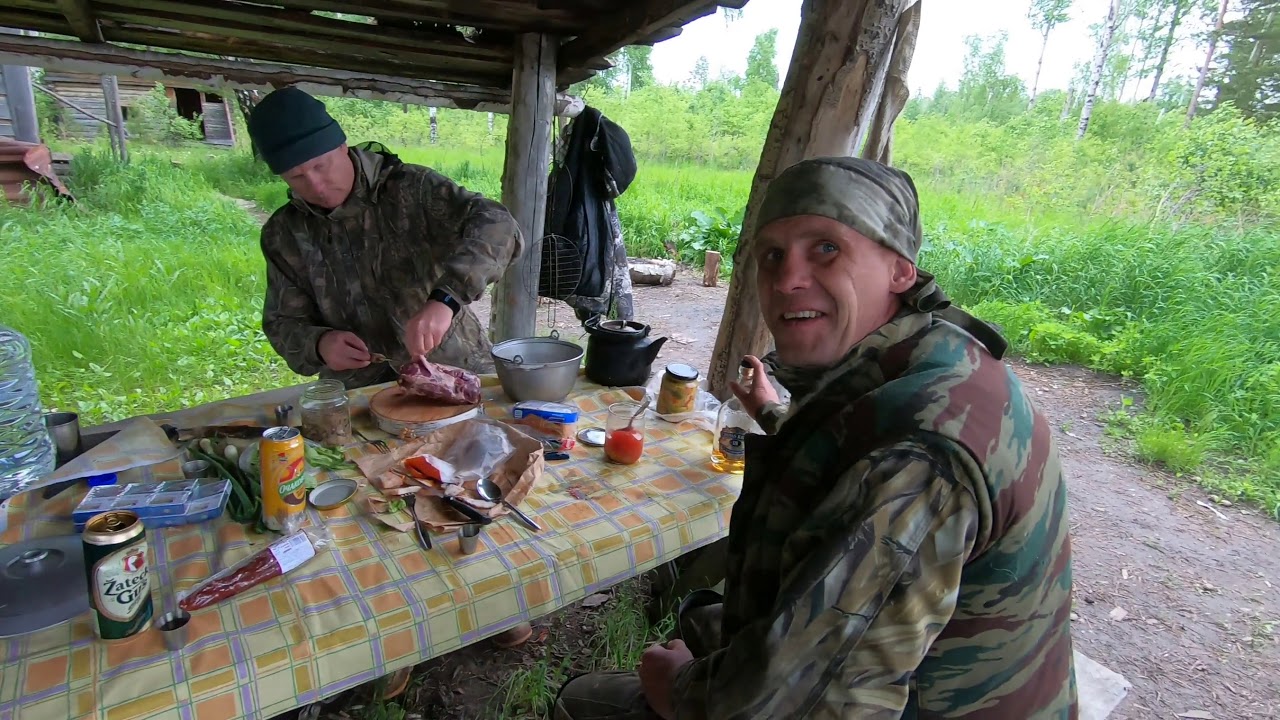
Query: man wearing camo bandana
column 900, row 546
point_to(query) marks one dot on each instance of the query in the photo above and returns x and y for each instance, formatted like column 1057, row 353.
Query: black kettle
column 620, row 353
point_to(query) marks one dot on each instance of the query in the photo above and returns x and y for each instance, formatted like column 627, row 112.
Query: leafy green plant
column 717, row 231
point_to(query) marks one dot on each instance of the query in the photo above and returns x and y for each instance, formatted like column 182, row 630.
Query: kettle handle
column 592, row 322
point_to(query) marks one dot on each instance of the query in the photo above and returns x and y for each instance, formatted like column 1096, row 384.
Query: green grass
column 146, row 295
column 622, row 632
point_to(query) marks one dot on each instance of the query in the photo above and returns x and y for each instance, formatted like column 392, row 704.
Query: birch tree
column 1099, row 62
column 1045, row 15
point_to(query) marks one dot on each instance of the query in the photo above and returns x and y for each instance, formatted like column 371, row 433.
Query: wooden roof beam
column 638, row 21
column 263, row 44
column 80, row 17
column 241, row 15
column 217, row 74
column 485, row 14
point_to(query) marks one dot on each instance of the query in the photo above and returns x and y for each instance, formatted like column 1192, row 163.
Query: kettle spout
column 650, row 348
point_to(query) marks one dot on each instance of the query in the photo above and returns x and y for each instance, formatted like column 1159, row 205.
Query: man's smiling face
column 824, row 286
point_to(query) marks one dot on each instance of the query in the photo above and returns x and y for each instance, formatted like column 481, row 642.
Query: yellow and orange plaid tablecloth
column 375, row 602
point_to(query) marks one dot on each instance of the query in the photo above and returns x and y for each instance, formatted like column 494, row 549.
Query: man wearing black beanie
column 371, row 255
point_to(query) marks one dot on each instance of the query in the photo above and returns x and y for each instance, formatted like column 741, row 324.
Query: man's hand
column 341, row 350
column 760, row 392
column 658, row 667
column 425, row 330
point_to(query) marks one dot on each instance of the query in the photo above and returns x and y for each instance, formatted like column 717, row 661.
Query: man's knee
column 596, row 696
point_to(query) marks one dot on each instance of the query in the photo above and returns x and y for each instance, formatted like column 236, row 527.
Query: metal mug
column 196, row 469
column 469, row 538
column 173, row 628
column 64, row 428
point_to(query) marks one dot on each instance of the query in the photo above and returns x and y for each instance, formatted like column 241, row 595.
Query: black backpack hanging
column 598, row 165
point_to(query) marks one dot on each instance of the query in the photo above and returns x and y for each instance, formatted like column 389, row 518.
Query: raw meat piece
column 440, row 383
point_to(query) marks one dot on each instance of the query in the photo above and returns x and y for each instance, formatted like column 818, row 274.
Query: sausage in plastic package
column 278, row 558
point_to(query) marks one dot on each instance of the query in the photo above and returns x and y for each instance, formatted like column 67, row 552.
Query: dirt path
column 1175, row 592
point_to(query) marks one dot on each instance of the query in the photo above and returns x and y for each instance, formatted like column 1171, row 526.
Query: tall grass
column 145, row 295
column 1189, row 313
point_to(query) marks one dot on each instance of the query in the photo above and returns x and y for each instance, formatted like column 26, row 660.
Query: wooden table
column 374, row 603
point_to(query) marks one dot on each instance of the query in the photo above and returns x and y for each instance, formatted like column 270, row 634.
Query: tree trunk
column 1035, row 82
column 435, row 129
column 879, row 146
column 1179, row 9
column 1133, row 51
column 1204, row 69
column 1099, row 62
column 828, row 102
column 1066, row 106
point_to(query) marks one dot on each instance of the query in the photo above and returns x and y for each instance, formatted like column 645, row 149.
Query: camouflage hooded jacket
column 368, row 266
column 899, row 549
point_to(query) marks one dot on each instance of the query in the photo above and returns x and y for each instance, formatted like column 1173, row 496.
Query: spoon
column 643, row 406
column 490, row 491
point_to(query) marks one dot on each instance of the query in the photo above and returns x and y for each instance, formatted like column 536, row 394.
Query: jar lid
column 328, row 389
column 680, row 371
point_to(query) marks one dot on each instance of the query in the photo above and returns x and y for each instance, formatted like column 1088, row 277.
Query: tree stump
column 711, row 269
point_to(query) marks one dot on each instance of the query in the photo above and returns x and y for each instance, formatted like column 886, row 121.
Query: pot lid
column 617, row 328
column 624, row 326
column 42, row 584
column 680, row 371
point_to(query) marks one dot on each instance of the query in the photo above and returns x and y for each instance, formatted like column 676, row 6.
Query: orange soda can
column 283, row 460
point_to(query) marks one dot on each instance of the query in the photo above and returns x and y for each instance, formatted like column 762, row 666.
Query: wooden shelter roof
column 466, row 46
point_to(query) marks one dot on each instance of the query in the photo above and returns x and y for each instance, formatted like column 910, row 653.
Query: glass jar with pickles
column 679, row 390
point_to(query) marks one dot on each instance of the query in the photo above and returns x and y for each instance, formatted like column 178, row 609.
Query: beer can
column 283, row 461
column 117, row 562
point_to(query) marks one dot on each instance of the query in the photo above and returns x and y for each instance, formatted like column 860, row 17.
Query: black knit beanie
column 289, row 127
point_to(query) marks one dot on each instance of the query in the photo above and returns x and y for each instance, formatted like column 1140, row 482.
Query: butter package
column 553, row 420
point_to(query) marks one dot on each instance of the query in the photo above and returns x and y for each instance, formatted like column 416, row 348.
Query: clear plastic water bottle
column 26, row 450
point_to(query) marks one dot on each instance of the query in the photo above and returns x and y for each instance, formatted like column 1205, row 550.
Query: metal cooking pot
column 537, row 368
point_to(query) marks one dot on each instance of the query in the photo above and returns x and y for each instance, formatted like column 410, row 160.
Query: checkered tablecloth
column 375, row 602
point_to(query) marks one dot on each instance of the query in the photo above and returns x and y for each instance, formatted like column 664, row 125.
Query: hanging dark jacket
column 598, row 166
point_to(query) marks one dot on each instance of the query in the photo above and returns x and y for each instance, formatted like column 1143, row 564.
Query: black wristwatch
column 444, row 297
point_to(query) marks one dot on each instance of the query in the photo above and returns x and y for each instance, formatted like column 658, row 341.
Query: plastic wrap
column 278, row 558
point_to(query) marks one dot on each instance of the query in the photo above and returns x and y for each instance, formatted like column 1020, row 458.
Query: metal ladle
column 489, row 490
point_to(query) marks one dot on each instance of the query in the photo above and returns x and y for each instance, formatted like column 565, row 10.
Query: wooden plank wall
column 86, row 91
column 6, row 118
column 216, row 129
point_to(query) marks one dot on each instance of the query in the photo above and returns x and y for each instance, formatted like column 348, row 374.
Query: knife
column 423, row 538
column 473, row 514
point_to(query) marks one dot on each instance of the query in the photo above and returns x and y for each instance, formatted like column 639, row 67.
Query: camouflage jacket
column 368, row 266
column 899, row 549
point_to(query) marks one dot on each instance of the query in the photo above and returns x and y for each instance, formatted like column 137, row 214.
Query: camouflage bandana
column 880, row 203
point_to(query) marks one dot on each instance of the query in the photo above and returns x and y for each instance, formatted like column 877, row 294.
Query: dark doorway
column 190, row 105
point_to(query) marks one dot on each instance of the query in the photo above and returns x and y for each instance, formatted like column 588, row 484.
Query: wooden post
column 16, row 86
column 841, row 57
column 879, row 145
column 711, row 269
column 524, row 182
column 111, row 94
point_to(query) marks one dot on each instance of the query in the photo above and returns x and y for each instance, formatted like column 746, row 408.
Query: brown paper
column 515, row 477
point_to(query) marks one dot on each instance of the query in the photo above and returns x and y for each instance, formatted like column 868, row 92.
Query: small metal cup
column 173, row 628
column 469, row 538
column 64, row 428
column 196, row 469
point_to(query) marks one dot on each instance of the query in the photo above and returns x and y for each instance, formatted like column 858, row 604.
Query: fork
column 379, row 445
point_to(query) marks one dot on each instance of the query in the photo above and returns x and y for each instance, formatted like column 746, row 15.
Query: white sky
column 940, row 47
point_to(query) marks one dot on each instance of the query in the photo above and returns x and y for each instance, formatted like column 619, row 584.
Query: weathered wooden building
column 6, row 117
column 209, row 110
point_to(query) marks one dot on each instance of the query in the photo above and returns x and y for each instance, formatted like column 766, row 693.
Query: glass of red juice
column 622, row 444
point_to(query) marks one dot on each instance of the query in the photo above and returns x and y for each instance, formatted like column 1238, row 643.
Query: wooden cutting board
column 396, row 411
